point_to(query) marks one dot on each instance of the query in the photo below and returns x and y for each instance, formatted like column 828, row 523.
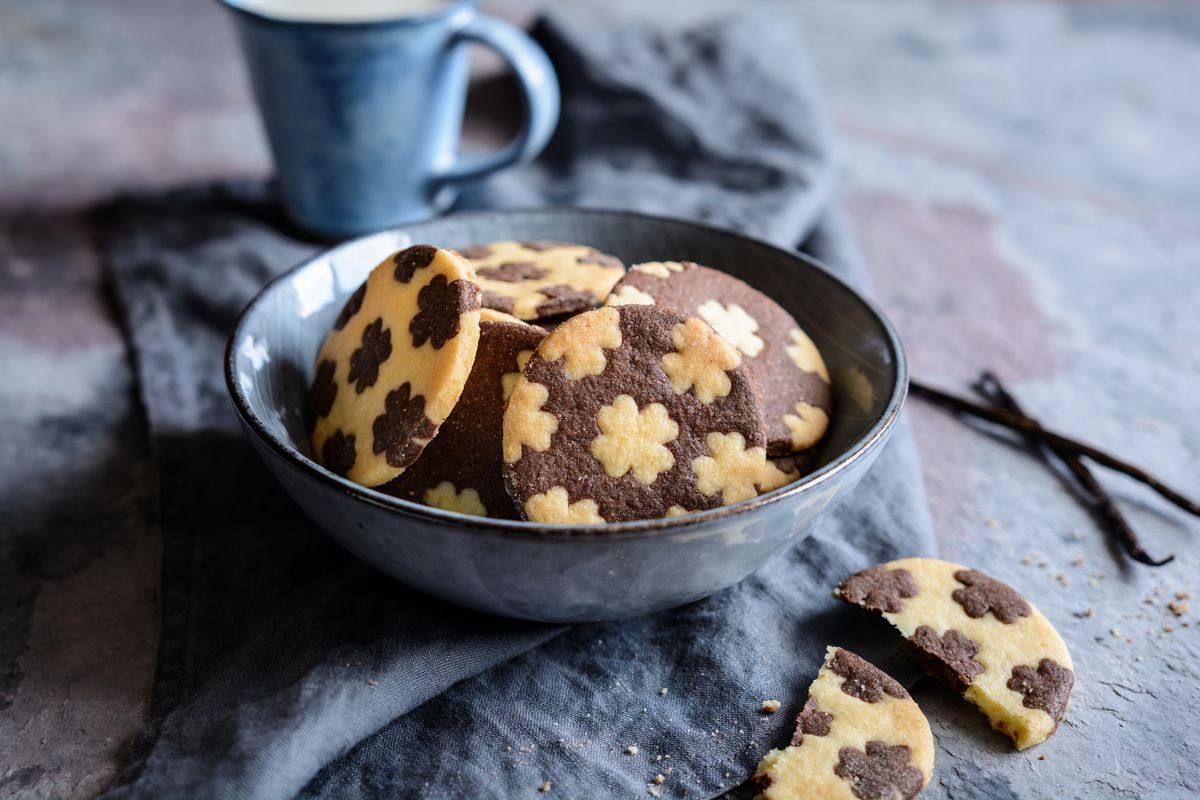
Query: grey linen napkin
column 286, row 668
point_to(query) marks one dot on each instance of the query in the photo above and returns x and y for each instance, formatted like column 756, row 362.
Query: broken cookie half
column 976, row 634
column 859, row 737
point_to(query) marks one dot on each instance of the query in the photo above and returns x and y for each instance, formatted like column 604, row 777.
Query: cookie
column 860, row 736
column 394, row 365
column 979, row 636
column 534, row 280
column 790, row 372
column 633, row 413
column 460, row 470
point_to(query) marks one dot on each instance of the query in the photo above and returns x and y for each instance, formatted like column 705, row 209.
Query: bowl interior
column 275, row 345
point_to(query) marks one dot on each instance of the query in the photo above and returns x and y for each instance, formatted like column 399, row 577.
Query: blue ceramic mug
column 363, row 103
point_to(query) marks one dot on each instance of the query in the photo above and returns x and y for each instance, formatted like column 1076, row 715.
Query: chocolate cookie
column 460, row 470
column 394, row 364
column 859, row 737
column 790, row 372
column 534, row 280
column 633, row 413
column 978, row 635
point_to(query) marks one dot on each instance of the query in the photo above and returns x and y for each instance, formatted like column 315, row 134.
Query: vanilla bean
column 1016, row 422
column 1093, row 494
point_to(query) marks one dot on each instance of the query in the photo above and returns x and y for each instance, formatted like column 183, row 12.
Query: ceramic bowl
column 582, row 572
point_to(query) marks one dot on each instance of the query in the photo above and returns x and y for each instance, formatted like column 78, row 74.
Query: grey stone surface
column 1025, row 180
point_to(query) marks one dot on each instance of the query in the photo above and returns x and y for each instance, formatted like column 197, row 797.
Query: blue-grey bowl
column 566, row 573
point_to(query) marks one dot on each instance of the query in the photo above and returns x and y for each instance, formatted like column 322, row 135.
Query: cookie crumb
column 655, row 791
column 545, row 787
column 663, row 692
column 1062, row 579
column 372, row 681
column 659, row 778
column 1116, row 632
column 658, row 758
column 1077, row 562
column 992, row 522
column 1183, row 595
column 1041, row 758
column 1085, row 614
column 771, row 706
column 1178, row 608
column 631, row 750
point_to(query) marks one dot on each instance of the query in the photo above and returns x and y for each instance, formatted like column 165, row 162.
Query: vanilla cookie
column 859, row 737
column 633, row 413
column 534, row 280
column 978, row 635
column 790, row 371
column 394, row 365
column 460, row 470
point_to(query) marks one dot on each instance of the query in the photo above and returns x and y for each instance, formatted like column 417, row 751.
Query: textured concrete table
column 1025, row 179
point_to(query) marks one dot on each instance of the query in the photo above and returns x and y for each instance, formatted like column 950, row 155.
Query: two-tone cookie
column 394, row 364
column 790, row 372
column 633, row 412
column 535, row 280
column 460, row 470
column 978, row 635
column 860, row 736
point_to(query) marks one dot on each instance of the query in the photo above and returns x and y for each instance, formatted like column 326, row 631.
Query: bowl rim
column 568, row 532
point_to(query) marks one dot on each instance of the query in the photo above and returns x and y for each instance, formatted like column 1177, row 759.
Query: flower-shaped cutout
column 1048, row 687
column 882, row 770
column 982, row 593
column 634, row 440
column 338, row 455
column 441, row 304
column 582, row 341
column 402, row 430
column 734, row 324
column 446, row 497
column 700, row 361
column 879, row 589
column 412, row 259
column 805, row 356
column 554, row 506
column 733, row 471
column 629, row 295
column 376, row 348
column 525, row 424
column 659, row 269
column 807, row 425
column 952, row 655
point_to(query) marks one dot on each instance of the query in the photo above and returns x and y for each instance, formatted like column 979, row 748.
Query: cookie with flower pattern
column 790, row 372
column 394, row 364
column 633, row 413
column 978, row 635
column 536, row 280
column 460, row 470
column 859, row 736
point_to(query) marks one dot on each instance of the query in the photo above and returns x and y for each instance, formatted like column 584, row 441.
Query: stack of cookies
column 489, row 382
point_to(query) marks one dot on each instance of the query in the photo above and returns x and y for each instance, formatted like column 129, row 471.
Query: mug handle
column 539, row 89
